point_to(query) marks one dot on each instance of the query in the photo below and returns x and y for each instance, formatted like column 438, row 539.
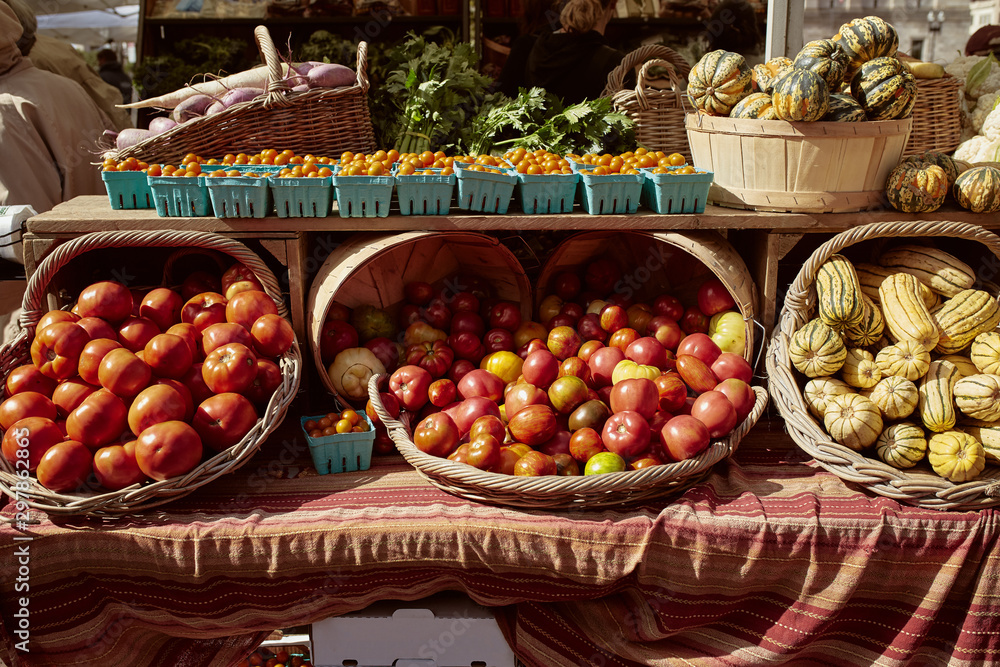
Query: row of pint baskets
column 373, row 268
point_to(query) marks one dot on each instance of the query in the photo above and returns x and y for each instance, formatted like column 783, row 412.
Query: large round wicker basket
column 915, row 486
column 551, row 491
column 142, row 496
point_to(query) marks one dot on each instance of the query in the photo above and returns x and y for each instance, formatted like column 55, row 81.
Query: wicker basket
column 658, row 113
column 937, row 118
column 551, row 491
column 322, row 121
column 140, row 497
column 920, row 487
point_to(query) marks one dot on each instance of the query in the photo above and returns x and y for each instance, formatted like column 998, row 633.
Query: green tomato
column 603, row 462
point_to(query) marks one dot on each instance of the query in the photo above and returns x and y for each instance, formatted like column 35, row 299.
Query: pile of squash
column 854, row 76
column 922, row 183
column 903, row 360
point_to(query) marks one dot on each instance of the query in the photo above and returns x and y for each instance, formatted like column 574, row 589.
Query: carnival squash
column 885, row 89
column 800, row 95
column 826, row 58
column 978, row 189
column 718, row 81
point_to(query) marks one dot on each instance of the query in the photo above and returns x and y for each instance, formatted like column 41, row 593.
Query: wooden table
column 762, row 238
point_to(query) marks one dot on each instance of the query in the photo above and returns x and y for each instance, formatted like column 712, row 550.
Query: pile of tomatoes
column 537, row 162
column 628, row 162
column 332, row 423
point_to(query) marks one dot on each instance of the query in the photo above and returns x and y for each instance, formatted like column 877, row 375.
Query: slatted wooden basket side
column 917, row 487
column 137, row 498
column 552, row 491
column 322, row 121
column 937, row 120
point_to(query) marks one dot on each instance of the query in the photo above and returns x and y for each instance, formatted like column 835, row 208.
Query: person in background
column 537, row 17
column 574, row 61
column 733, row 26
column 984, row 41
column 111, row 71
column 56, row 56
column 48, row 129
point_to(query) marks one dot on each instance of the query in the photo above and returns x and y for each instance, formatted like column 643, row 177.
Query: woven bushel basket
column 150, row 494
column 658, row 112
column 322, row 121
column 937, row 119
column 552, row 491
column 918, row 486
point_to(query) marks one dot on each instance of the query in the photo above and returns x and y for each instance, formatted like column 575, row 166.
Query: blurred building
column 934, row 30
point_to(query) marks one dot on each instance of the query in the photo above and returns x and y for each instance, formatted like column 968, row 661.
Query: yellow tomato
column 549, row 308
column 527, row 331
column 728, row 330
column 505, row 365
column 626, row 369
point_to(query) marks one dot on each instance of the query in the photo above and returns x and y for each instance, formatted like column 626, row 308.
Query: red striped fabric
column 769, row 561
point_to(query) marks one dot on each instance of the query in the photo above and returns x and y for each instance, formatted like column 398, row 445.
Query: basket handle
column 642, row 84
column 277, row 85
column 35, row 293
column 616, row 79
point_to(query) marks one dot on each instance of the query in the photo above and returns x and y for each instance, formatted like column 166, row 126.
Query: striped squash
column 818, row 392
column 988, row 435
column 978, row 189
column 860, row 370
column 800, row 95
column 757, row 106
column 906, row 316
column 718, row 81
column 870, row 276
column 885, row 89
column 941, row 271
column 937, row 396
column 896, row 397
column 764, row 74
column 906, row 359
column 826, row 58
column 817, row 350
column 943, row 160
column 868, row 331
column 844, row 109
column 985, row 352
column 956, row 456
column 853, row 421
column 864, row 39
column 963, row 317
column 978, row 396
column 839, row 302
column 916, row 188
column 902, row 445
column 963, row 364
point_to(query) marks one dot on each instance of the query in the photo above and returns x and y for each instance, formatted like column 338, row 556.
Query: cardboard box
column 444, row 630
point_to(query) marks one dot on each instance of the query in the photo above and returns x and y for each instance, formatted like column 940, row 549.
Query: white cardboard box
column 444, row 630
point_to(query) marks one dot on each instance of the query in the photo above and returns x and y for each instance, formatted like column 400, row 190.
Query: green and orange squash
column 844, row 109
column 864, row 39
column 800, row 95
column 978, row 189
column 757, row 106
column 718, row 81
column 885, row 88
column 916, row 187
column 826, row 58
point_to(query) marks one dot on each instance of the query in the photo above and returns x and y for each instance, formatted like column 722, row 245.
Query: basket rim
column 150, row 494
column 921, row 489
column 552, row 491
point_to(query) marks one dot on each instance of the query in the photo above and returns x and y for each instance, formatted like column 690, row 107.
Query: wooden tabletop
column 93, row 213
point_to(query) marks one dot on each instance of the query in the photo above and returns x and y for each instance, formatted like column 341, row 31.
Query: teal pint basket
column 611, row 193
column 676, row 193
column 425, row 194
column 485, row 191
column 341, row 452
column 127, row 189
column 363, row 196
column 546, row 193
column 180, row 196
column 239, row 196
column 302, row 197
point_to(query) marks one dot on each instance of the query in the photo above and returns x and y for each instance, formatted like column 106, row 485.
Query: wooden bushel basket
column 373, row 268
column 658, row 112
column 321, row 121
column 776, row 165
column 139, row 497
column 919, row 485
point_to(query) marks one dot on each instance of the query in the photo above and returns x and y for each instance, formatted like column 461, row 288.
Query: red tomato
column 668, row 306
column 91, row 357
column 27, row 377
column 602, row 364
column 265, row 383
column 191, row 336
column 56, row 349
column 469, row 410
column 198, row 282
column 135, row 332
column 442, row 392
column 224, row 333
column 590, row 328
column 701, row 346
column 239, row 278
column 194, row 380
column 336, row 335
column 54, row 316
column 714, row 410
column 204, row 310
column 666, row 331
column 434, row 357
column 168, row 449
column 163, row 306
column 484, row 452
column 535, row 464
column 409, row 384
column 563, row 342
column 540, row 368
column 109, row 300
column 123, row 373
column 623, row 338
column 584, row 443
column 728, row 365
column 671, row 392
column 27, row 440
column 70, row 394
column 740, row 394
column 184, row 392
column 713, row 297
column 683, row 437
column 459, row 368
column 694, row 321
column 97, row 328
column 480, row 382
column 418, row 292
column 222, row 420
column 385, row 350
column 65, row 466
column 505, row 315
column 26, row 404
column 626, row 433
column 436, row 434
column 246, row 307
column 98, row 420
column 168, row 356
column 647, row 350
column 696, row 373
column 498, row 340
column 566, row 285
column 578, row 367
column 533, row 424
column 613, row 318
column 437, row 314
column 389, row 403
column 522, row 395
column 155, row 404
column 635, row 394
column 230, row 368
column 115, row 466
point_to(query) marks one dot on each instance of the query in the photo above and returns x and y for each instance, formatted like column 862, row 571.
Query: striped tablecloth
column 769, row 561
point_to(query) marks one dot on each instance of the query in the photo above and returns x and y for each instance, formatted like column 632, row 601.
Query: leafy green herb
column 978, row 72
